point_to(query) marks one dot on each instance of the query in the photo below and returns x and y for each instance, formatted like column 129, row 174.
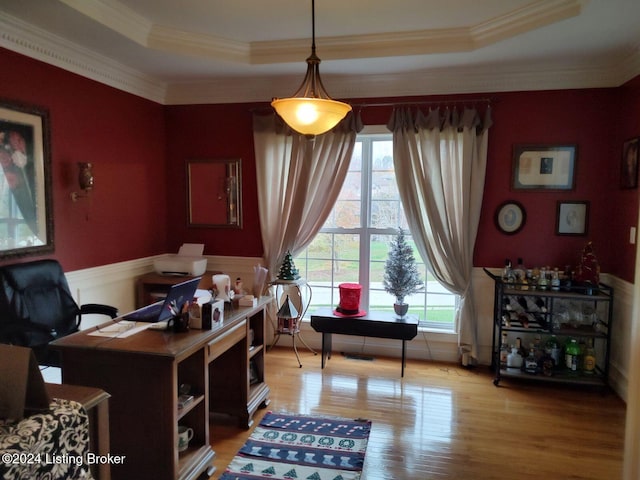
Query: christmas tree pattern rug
column 305, row 447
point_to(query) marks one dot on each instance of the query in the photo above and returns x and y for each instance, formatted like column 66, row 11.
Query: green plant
column 401, row 276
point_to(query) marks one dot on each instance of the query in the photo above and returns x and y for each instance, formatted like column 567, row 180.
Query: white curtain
column 440, row 161
column 299, row 180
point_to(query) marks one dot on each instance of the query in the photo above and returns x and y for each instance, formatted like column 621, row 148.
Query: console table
column 374, row 324
column 143, row 372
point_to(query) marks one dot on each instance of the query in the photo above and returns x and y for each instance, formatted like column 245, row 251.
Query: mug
column 185, row 434
column 179, row 323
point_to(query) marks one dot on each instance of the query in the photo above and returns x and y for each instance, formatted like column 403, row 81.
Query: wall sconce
column 85, row 181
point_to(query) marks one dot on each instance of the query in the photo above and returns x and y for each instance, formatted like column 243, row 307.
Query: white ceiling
column 219, row 51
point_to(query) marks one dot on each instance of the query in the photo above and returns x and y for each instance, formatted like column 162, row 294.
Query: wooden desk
column 374, row 324
column 96, row 402
column 143, row 371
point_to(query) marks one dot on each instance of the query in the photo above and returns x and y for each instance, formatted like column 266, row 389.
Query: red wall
column 139, row 150
column 212, row 132
column 124, row 137
column 586, row 118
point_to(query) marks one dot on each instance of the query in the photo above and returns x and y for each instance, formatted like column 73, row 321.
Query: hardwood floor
column 444, row 421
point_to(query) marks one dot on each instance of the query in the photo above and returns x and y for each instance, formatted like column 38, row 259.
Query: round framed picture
column 510, row 217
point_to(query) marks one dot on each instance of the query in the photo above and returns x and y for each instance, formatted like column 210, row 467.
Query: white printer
column 188, row 261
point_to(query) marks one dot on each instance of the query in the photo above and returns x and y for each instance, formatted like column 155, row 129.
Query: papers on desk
column 121, row 329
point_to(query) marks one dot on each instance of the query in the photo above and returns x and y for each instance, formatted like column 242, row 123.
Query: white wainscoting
column 115, row 285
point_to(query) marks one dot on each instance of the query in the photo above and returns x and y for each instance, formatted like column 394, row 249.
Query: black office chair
column 36, row 307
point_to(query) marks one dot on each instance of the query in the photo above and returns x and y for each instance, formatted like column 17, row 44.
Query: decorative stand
column 292, row 306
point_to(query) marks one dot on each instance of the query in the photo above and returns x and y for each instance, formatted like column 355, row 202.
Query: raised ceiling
column 219, row 51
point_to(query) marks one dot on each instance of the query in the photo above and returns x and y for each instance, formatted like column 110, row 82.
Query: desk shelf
column 190, row 406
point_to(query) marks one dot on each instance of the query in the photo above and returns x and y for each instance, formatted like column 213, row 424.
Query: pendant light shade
column 311, row 111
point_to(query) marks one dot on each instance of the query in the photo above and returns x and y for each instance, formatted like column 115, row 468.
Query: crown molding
column 24, row 38
column 33, row 42
column 116, row 16
column 185, row 43
column 422, row 42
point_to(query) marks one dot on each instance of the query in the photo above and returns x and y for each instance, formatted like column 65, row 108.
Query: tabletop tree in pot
column 401, row 276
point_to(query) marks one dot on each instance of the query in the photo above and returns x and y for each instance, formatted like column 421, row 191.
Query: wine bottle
column 523, row 303
column 540, row 304
column 506, row 301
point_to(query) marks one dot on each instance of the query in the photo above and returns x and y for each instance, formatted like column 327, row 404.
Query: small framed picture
column 544, row 167
column 510, row 217
column 629, row 164
column 572, row 218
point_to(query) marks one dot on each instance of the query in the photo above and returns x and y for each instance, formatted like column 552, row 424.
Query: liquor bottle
column 555, row 280
column 589, row 359
column 543, row 283
column 507, row 272
column 514, row 359
column 552, row 348
column 531, row 363
column 521, row 350
column 504, row 350
column 519, row 274
column 571, row 355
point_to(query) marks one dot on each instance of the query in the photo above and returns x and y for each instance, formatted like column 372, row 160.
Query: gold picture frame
column 25, row 181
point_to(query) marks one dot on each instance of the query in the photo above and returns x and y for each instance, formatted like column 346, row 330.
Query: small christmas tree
column 401, row 276
column 288, row 270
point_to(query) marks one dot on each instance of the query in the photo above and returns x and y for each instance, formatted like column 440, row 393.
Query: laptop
column 159, row 311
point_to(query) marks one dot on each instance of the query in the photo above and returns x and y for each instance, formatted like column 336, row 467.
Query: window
column 353, row 244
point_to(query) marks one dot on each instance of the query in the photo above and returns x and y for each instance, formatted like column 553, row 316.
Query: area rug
column 306, row 447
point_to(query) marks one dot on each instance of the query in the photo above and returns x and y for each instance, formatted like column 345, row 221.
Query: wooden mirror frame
column 214, row 193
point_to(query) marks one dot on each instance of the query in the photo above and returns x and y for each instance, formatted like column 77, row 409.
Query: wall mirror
column 26, row 216
column 214, row 193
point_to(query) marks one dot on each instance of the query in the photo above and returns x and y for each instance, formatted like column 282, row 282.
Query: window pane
column 369, row 208
column 346, row 212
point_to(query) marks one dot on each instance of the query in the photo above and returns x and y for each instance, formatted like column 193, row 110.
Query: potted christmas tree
column 401, row 276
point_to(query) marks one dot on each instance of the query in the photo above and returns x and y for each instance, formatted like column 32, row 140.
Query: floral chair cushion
column 47, row 446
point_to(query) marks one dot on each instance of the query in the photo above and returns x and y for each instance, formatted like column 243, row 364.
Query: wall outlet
column 632, row 235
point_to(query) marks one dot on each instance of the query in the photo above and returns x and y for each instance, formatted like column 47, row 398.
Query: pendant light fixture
column 311, row 111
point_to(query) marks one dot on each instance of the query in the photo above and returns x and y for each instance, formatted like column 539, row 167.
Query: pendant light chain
column 311, row 111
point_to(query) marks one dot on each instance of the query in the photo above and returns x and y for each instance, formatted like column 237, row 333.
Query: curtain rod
column 399, row 104
column 425, row 102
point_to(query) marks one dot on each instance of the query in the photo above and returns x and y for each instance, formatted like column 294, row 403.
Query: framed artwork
column 544, row 167
column 629, row 164
column 572, row 218
column 510, row 217
column 26, row 212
